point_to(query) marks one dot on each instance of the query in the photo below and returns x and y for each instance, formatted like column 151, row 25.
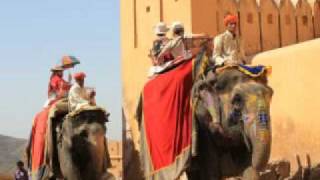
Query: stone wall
column 264, row 25
column 115, row 152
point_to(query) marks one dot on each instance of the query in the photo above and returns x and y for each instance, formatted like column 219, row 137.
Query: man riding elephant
column 227, row 46
column 78, row 95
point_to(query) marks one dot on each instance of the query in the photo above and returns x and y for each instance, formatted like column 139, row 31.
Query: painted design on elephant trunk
column 263, row 122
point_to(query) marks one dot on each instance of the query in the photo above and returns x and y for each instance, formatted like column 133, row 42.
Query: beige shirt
column 227, row 47
column 176, row 47
column 78, row 97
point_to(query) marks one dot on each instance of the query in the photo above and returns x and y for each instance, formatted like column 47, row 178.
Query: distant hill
column 11, row 150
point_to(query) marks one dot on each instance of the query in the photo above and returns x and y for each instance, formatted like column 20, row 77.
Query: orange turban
column 230, row 19
column 79, row 75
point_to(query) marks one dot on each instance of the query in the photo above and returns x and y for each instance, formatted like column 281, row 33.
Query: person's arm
column 166, row 49
column 217, row 51
column 92, row 99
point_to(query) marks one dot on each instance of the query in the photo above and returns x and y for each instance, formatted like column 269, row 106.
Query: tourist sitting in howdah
column 58, row 87
column 164, row 51
column 161, row 40
column 226, row 51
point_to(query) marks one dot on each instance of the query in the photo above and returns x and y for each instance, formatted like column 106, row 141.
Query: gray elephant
column 231, row 122
column 241, row 144
column 77, row 147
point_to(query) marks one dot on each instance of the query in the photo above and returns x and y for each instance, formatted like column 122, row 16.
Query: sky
column 35, row 34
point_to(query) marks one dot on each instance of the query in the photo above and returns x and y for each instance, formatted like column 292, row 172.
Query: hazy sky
column 35, row 34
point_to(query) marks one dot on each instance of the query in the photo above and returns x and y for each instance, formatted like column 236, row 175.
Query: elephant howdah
column 176, row 122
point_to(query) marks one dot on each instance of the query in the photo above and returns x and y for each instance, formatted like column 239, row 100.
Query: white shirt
column 78, row 97
column 176, row 47
column 227, row 47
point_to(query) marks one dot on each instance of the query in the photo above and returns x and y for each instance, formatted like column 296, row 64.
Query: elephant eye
column 221, row 85
column 202, row 87
column 237, row 100
column 212, row 82
column 84, row 133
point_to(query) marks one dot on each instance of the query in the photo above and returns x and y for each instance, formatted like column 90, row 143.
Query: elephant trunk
column 260, row 136
column 98, row 147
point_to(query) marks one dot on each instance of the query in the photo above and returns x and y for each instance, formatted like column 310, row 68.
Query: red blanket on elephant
column 167, row 122
column 38, row 141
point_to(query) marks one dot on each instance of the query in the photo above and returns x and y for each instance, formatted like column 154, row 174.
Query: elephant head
column 83, row 149
column 237, row 100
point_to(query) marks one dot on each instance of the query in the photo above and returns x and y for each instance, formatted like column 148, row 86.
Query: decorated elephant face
column 89, row 123
column 242, row 105
column 247, row 100
column 84, row 139
column 236, row 94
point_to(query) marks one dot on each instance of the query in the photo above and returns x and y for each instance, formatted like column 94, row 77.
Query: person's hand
column 92, row 94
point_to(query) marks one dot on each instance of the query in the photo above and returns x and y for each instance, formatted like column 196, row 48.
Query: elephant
column 241, row 143
column 241, row 146
column 77, row 148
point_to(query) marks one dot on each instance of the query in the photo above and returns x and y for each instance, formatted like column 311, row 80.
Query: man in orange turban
column 230, row 19
column 227, row 46
column 78, row 94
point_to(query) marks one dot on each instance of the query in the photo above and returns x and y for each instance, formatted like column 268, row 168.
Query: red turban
column 79, row 75
column 230, row 19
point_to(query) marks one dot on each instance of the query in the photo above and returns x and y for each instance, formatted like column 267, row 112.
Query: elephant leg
column 250, row 174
